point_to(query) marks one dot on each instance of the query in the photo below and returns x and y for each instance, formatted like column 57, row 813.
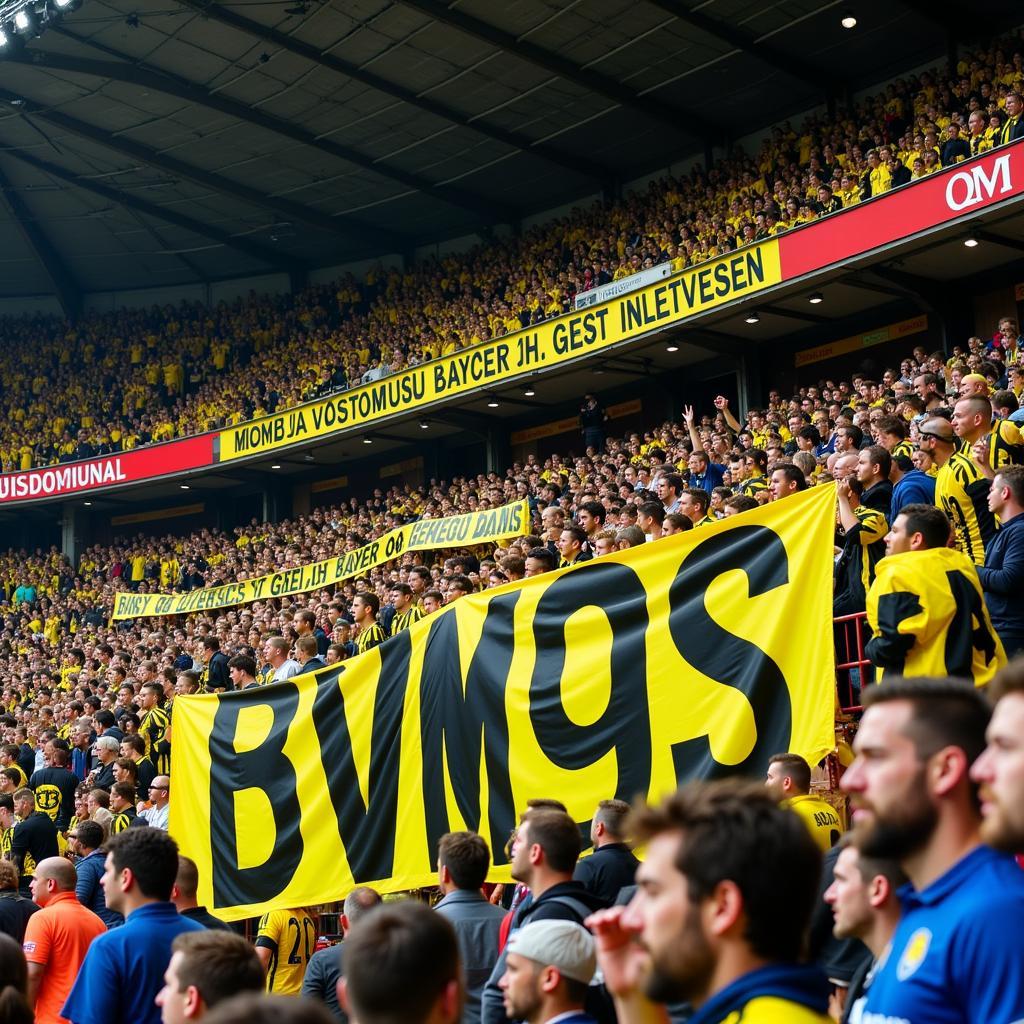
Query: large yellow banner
column 482, row 527
column 696, row 656
column 632, row 315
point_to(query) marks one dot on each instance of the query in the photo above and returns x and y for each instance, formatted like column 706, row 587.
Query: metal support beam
column 788, row 63
column 257, row 251
column 68, row 293
column 587, row 168
column 285, row 208
column 592, row 81
column 146, row 77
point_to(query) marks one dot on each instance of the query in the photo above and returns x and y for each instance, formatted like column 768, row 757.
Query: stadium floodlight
column 88, row 504
column 816, row 298
column 25, row 21
column 849, row 20
column 671, row 348
column 970, row 242
column 752, row 317
column 67, row 5
column 185, row 487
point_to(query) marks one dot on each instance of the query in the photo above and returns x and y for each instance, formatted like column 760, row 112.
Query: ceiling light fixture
column 367, row 440
column 26, row 22
column 529, row 391
column 184, row 487
column 275, row 466
column 970, row 242
column 492, row 403
column 671, row 348
column 848, row 20
column 88, row 504
column 816, row 298
column 424, row 425
column 752, row 317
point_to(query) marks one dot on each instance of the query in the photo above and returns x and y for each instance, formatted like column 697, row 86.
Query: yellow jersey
column 820, row 817
column 290, row 935
column 928, row 618
column 961, row 491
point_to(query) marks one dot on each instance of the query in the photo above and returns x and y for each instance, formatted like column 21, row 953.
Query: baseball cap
column 562, row 944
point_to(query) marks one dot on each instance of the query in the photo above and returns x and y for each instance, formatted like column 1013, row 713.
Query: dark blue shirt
column 955, row 956
column 914, row 488
column 124, row 969
column 89, row 891
column 1002, row 578
column 711, row 478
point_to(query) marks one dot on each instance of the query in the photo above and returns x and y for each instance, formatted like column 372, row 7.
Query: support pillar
column 71, row 532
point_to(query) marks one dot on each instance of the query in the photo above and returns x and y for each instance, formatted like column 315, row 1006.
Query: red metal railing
column 853, row 669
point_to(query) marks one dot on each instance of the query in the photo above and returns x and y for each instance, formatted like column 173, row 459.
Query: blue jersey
column 955, row 957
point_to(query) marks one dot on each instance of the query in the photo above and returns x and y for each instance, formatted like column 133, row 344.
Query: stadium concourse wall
column 946, row 198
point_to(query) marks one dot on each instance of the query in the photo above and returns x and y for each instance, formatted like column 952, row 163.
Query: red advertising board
column 940, row 198
column 108, row 471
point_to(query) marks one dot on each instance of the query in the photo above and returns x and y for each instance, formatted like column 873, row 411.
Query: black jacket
column 15, row 910
column 606, row 871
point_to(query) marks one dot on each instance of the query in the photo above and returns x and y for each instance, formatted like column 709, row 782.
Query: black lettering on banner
column 267, row 768
column 453, row 720
column 729, row 659
column 968, row 631
column 367, row 829
column 624, row 726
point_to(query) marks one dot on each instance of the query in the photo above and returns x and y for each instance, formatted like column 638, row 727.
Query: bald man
column 56, row 938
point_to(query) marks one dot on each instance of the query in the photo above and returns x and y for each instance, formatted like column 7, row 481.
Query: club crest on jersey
column 914, row 953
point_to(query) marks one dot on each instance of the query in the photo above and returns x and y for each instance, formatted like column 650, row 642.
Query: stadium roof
column 164, row 142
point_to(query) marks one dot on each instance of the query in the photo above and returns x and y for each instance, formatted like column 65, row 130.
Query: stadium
column 512, row 512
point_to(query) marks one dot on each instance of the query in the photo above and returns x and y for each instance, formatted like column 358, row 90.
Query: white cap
column 562, row 944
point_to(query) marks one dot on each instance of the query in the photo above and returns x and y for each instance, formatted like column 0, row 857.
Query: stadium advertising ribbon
column 481, row 527
column 711, row 284
column 696, row 656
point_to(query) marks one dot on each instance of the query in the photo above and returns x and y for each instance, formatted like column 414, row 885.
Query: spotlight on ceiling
column 529, row 391
column 970, row 242
column 367, row 440
column 275, row 466
column 848, row 20
column 424, row 425
column 185, row 487
column 816, row 298
column 492, row 403
column 26, row 22
column 671, row 348
column 752, row 317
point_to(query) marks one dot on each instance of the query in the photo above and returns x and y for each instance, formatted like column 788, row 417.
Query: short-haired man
column 694, row 503
column 864, row 906
column 724, row 896
column 961, row 489
column 306, row 654
column 157, row 814
column 539, row 560
column 789, row 779
column 365, row 608
column 86, row 840
column 786, row 479
column 134, row 748
column 325, row 965
column 304, row 622
column 407, row 611
column 670, row 486
column 55, row 786
column 122, row 803
column 283, row 959
column 650, row 517
column 276, row 652
column 184, row 895
column 402, row 964
column 463, row 859
column 34, row 838
column 242, row 671
column 107, row 750
column 913, row 801
column 999, row 771
column 206, row 968
column 925, row 607
column 57, row 938
column 590, row 517
column 548, row 971
column 156, row 721
column 1002, row 575
column 612, row 866
column 123, row 970
column 570, row 547
column 545, row 850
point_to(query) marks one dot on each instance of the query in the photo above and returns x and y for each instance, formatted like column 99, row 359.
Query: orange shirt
column 58, row 940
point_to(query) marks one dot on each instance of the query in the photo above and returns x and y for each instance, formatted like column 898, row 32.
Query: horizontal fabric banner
column 697, row 656
column 491, row 362
column 482, row 527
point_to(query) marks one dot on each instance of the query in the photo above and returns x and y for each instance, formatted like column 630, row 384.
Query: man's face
column 897, row 540
column 867, row 471
column 567, row 544
column 431, row 604
column 39, row 890
column 669, row 926
column 887, row 782
column 848, row 897
column 520, row 986
column 779, row 485
column 1000, row 772
column 521, row 853
column 586, row 521
column 965, row 421
column 775, row 780
column 111, row 883
column 534, row 567
column 922, row 387
column 605, row 545
column 176, row 1006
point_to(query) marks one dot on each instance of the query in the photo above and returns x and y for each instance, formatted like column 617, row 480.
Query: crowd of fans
column 124, row 379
